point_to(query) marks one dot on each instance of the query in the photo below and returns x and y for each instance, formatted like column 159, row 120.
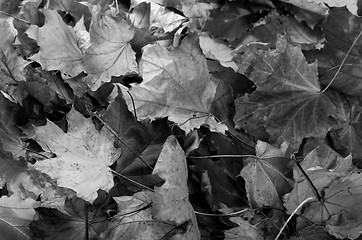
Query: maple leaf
column 288, row 98
column 176, row 85
column 15, row 215
column 71, row 224
column 265, row 175
column 338, row 186
column 110, row 53
column 141, row 142
column 171, row 201
column 59, row 48
column 134, row 220
column 341, row 196
column 83, row 155
column 11, row 63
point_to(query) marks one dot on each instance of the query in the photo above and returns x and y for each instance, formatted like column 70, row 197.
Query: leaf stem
column 134, row 107
column 222, row 156
column 290, row 217
column 342, row 64
column 9, row 15
column 309, row 180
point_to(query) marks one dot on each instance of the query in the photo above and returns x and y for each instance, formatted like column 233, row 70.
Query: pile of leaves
column 185, row 119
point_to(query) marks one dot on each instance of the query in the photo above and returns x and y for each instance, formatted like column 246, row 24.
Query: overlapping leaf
column 59, row 48
column 110, row 53
column 141, row 142
column 83, row 155
column 341, row 29
column 288, row 99
column 15, row 215
column 165, row 213
column 171, row 201
column 71, row 224
column 176, row 85
column 265, row 176
column 11, row 63
column 338, row 187
column 349, row 124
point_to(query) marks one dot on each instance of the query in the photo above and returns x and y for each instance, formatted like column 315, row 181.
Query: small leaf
column 265, row 176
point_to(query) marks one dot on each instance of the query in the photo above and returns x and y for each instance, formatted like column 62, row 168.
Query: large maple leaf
column 110, row 53
column 288, row 98
column 176, row 85
column 83, row 155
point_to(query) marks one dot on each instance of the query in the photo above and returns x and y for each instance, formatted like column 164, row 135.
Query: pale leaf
column 83, row 155
column 171, row 202
column 59, row 48
column 217, row 50
column 110, row 53
column 177, row 84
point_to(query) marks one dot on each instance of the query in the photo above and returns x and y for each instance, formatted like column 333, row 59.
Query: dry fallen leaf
column 83, row 155
column 110, row 53
column 59, row 48
column 177, row 84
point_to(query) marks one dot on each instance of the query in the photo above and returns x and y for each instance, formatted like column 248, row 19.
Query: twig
column 9, row 15
column 132, row 181
column 294, row 212
column 342, row 64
